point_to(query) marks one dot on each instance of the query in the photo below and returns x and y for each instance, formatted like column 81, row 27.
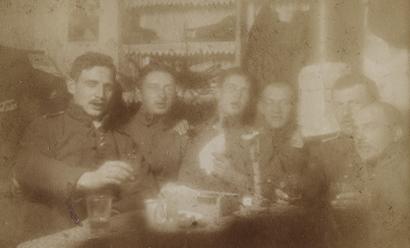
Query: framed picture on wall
column 83, row 24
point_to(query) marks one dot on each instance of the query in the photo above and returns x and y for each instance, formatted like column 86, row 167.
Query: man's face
column 348, row 101
column 373, row 133
column 93, row 90
column 233, row 96
column 158, row 92
column 276, row 105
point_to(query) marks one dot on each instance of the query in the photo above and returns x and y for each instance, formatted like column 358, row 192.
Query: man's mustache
column 97, row 102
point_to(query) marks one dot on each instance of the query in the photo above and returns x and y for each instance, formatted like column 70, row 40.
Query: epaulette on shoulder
column 51, row 115
column 330, row 137
column 122, row 131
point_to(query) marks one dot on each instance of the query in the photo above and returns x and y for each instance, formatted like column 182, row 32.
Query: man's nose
column 242, row 94
column 99, row 92
column 358, row 134
column 162, row 94
column 347, row 112
column 275, row 108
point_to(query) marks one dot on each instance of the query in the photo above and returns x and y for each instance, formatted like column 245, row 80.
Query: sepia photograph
column 205, row 123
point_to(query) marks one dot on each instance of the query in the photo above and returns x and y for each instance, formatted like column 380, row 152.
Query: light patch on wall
column 84, row 20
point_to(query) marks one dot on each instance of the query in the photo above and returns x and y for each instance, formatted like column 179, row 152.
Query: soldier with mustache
column 66, row 156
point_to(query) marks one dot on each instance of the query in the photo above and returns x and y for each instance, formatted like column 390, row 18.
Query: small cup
column 155, row 211
column 99, row 212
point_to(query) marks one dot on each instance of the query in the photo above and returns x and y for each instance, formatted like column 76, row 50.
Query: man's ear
column 398, row 134
column 71, row 85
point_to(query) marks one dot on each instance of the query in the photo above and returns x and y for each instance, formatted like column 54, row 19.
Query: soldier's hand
column 348, row 199
column 110, row 173
column 182, row 127
column 282, row 197
column 348, row 196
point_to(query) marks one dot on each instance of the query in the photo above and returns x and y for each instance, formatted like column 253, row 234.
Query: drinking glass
column 155, row 211
column 99, row 212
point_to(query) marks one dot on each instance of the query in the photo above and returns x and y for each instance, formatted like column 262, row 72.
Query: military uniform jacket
column 389, row 186
column 336, row 161
column 282, row 155
column 161, row 147
column 55, row 151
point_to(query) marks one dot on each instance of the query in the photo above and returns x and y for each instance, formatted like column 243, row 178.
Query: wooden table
column 280, row 227
column 129, row 224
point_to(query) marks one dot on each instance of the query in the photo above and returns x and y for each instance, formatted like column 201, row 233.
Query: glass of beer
column 99, row 212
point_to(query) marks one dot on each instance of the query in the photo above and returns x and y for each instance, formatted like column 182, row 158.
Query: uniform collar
column 76, row 112
column 148, row 119
column 282, row 133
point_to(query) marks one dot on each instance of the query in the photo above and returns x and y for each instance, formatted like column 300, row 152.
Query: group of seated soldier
column 251, row 146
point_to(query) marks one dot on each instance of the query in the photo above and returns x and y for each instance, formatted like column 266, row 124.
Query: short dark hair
column 284, row 84
column 156, row 67
column 235, row 71
column 89, row 60
column 353, row 79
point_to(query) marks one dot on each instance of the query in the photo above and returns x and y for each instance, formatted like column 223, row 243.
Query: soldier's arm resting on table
column 38, row 170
